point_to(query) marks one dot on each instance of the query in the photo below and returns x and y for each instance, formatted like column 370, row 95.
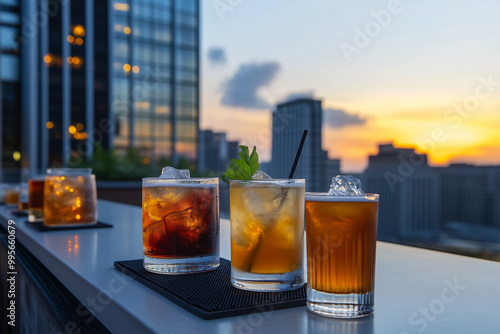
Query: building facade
column 409, row 204
column 418, row 201
column 331, row 168
column 10, row 88
column 470, row 194
column 120, row 74
column 215, row 151
column 155, row 64
column 289, row 120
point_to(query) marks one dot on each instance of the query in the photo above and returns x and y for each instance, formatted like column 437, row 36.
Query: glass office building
column 10, row 85
column 118, row 73
column 155, row 77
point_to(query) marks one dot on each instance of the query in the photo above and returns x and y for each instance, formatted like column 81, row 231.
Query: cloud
column 338, row 118
column 217, row 55
column 241, row 90
column 309, row 94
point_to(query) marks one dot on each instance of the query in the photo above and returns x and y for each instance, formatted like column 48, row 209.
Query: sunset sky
column 419, row 73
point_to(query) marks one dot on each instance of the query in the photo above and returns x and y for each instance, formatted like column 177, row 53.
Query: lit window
column 121, row 6
column 48, row 58
column 79, row 30
column 16, row 156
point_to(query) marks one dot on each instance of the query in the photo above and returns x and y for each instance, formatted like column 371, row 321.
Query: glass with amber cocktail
column 70, row 197
column 341, row 235
column 267, row 234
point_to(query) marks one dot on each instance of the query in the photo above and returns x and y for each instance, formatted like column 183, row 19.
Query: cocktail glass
column 267, row 234
column 70, row 197
column 341, row 233
column 180, row 225
column 12, row 194
column 35, row 199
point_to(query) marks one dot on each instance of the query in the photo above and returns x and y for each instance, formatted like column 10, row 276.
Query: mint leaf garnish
column 244, row 167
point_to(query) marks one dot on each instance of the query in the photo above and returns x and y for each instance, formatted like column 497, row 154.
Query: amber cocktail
column 341, row 234
column 70, row 197
column 12, row 194
column 267, row 234
column 180, row 225
column 35, row 199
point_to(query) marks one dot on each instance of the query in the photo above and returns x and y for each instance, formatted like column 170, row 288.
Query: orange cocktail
column 341, row 241
column 267, row 234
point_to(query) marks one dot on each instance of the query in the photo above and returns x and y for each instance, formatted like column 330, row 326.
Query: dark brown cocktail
column 180, row 225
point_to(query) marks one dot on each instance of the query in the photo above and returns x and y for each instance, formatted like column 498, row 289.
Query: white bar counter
column 416, row 291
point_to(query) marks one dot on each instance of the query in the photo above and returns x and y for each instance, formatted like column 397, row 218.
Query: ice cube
column 173, row 173
column 264, row 204
column 345, row 185
column 246, row 233
column 260, row 175
column 185, row 218
column 185, row 226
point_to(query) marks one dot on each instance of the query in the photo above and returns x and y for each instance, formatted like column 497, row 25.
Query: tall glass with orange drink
column 341, row 233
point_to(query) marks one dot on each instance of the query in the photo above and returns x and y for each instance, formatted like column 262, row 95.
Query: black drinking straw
column 297, row 155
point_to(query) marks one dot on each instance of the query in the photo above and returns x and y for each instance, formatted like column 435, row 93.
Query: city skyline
column 403, row 86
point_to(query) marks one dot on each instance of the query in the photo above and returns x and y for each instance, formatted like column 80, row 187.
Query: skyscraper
column 409, row 193
column 10, row 87
column 121, row 74
column 155, row 76
column 470, row 194
column 56, row 81
column 216, row 151
column 290, row 119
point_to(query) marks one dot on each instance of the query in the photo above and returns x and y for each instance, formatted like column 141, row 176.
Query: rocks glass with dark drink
column 180, row 223
column 35, row 199
column 341, row 233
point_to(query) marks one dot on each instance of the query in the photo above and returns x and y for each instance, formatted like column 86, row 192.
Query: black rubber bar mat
column 210, row 295
column 40, row 227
